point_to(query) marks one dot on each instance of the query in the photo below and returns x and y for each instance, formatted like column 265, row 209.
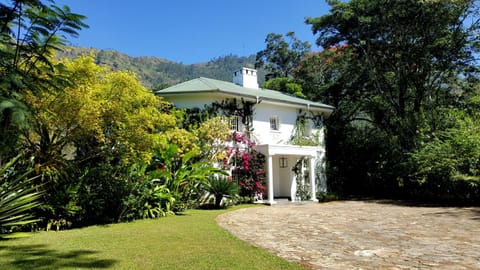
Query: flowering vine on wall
column 247, row 165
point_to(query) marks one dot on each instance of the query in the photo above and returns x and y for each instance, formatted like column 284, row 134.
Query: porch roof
column 288, row 150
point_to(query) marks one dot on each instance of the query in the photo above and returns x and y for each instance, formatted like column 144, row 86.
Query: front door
column 282, row 177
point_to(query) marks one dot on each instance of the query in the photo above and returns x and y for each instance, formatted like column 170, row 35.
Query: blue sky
column 191, row 31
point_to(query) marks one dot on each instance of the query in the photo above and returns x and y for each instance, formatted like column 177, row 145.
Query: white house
column 274, row 123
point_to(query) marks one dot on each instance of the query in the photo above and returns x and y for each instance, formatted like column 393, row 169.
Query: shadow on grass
column 44, row 257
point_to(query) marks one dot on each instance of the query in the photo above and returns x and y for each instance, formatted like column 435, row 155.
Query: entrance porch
column 280, row 160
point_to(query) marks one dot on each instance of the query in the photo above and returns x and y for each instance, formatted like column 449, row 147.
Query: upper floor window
column 236, row 123
column 275, row 123
column 308, row 127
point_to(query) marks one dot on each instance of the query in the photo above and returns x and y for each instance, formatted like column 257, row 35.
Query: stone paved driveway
column 362, row 234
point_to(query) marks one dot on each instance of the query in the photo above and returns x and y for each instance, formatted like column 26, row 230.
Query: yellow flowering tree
column 84, row 138
column 212, row 135
column 104, row 108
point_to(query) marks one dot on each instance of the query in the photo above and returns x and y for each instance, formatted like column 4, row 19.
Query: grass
column 190, row 241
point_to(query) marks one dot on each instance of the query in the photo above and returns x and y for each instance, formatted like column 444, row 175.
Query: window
column 283, row 162
column 308, row 127
column 236, row 123
column 274, row 123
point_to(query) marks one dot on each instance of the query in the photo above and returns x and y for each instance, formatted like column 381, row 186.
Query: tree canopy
column 30, row 32
column 281, row 57
column 408, row 50
column 392, row 68
column 109, row 108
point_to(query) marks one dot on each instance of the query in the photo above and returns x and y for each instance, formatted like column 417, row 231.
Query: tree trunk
column 218, row 200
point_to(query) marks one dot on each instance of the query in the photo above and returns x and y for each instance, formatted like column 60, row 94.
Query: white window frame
column 274, row 123
column 236, row 123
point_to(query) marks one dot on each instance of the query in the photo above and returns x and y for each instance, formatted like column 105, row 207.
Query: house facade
column 276, row 121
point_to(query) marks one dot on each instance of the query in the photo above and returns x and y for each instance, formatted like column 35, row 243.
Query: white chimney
column 246, row 77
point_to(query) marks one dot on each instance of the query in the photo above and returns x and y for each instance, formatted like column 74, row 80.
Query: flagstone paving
column 362, row 234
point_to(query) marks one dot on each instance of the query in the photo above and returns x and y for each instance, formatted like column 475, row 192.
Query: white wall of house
column 263, row 111
column 193, row 101
column 261, row 123
column 284, row 176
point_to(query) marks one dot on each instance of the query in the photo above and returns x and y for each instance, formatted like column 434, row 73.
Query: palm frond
column 18, row 196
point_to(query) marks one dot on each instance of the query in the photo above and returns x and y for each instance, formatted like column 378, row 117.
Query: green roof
column 206, row 85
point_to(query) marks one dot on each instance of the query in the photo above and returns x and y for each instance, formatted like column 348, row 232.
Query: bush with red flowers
column 247, row 165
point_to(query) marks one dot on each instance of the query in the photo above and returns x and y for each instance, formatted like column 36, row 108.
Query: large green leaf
column 18, row 196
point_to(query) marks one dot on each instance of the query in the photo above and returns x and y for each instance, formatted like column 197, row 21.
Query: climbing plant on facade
column 241, row 159
column 303, row 133
column 247, row 166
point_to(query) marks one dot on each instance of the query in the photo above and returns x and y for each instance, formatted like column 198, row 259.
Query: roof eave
column 324, row 108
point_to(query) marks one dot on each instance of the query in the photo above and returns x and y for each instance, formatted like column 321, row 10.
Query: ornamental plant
column 17, row 198
column 182, row 175
column 247, row 165
column 221, row 186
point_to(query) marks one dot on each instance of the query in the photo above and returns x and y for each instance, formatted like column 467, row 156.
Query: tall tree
column 30, row 32
column 109, row 110
column 408, row 49
column 83, row 139
column 388, row 67
column 282, row 57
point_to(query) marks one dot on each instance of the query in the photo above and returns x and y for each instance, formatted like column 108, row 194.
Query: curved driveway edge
column 362, row 234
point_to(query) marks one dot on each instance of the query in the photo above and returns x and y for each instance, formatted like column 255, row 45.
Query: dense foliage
column 101, row 124
column 403, row 77
column 394, row 70
column 30, row 32
column 95, row 145
column 247, row 166
column 448, row 163
column 281, row 57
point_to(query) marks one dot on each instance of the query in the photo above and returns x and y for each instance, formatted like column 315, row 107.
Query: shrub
column 247, row 166
column 326, row 196
column 18, row 196
column 148, row 199
column 448, row 166
column 220, row 187
column 182, row 175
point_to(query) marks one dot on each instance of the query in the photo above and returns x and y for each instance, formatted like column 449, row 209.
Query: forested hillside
column 158, row 73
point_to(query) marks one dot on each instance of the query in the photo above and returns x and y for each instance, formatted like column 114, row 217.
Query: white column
column 313, row 186
column 270, row 180
column 302, row 172
column 293, row 186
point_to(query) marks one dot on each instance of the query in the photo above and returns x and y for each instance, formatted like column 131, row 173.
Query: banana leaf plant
column 182, row 176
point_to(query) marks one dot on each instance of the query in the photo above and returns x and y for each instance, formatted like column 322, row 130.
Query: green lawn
column 190, row 241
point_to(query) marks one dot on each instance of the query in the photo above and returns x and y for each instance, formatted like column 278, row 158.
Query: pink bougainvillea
column 247, row 165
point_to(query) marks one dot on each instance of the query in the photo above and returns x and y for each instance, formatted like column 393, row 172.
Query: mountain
column 157, row 73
